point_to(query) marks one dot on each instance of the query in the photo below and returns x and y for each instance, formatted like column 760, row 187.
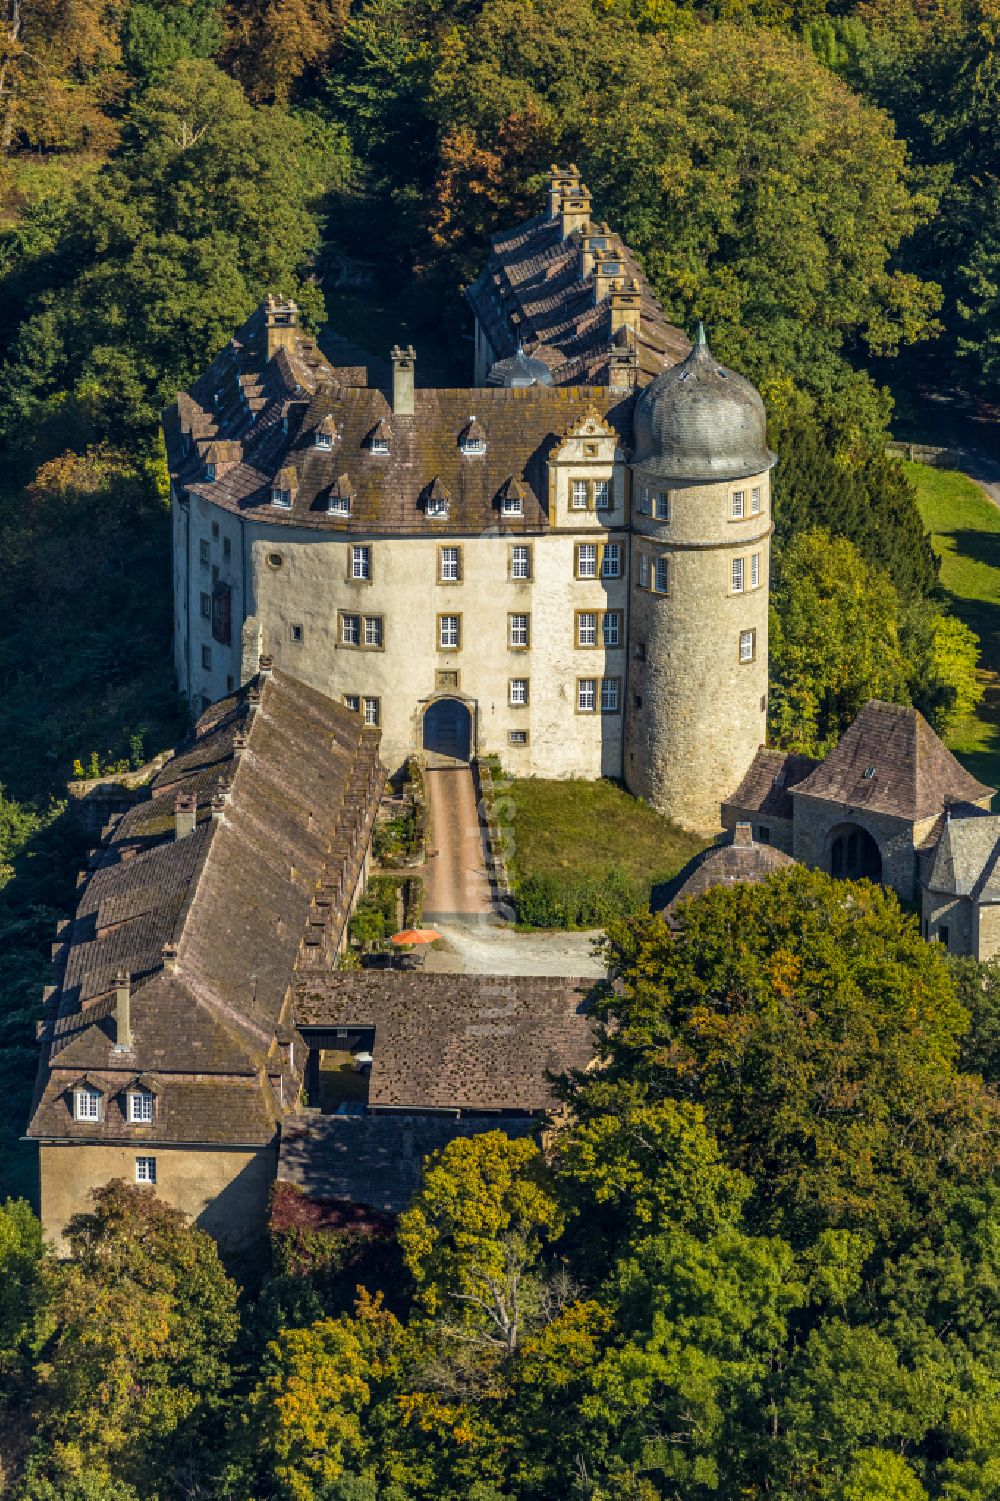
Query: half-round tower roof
column 520, row 370
column 699, row 421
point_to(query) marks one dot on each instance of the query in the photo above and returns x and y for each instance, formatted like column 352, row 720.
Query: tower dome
column 520, row 370
column 699, row 422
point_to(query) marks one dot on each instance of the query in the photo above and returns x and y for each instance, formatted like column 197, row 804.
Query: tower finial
column 699, row 337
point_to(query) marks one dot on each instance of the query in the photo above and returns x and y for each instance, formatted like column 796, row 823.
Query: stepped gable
column 533, row 293
column 519, row 427
column 207, row 909
column 456, row 1042
column 737, row 859
column 890, row 761
column 767, row 787
column 966, row 859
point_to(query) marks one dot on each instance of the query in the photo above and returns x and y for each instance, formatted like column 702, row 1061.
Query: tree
column 943, row 654
column 474, row 1233
column 135, row 1371
column 158, row 34
column 21, row 1284
column 273, row 44
column 765, row 198
column 821, row 1036
column 834, row 642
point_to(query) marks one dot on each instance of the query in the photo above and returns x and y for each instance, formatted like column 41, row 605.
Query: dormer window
column 512, row 498
column 473, row 445
column 437, row 506
column 472, row 439
column 380, row 445
column 322, row 440
column 210, row 472
column 284, row 487
column 339, row 505
column 87, row 1103
column 512, row 505
column 140, row 1106
column 281, row 497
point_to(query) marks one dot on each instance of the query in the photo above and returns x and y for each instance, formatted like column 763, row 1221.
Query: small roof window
column 472, row 439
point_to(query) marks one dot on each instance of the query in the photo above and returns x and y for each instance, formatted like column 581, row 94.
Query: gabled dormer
column 472, row 439
column 285, row 487
column 437, row 499
column 340, row 496
column 379, row 440
column 325, row 434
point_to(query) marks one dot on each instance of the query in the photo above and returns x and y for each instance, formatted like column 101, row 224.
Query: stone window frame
column 589, row 491
column 597, row 707
column 456, row 616
column 607, row 684
column 600, row 642
column 517, row 738
column 362, row 619
column 518, row 703
column 352, row 701
column 520, row 547
column 756, row 500
column 206, row 659
column 513, row 645
column 591, row 548
column 578, row 618
column 643, row 501
column 371, row 710
column 743, row 659
column 296, row 634
column 204, row 552
column 579, row 487
column 607, row 615
column 367, row 561
column 374, row 628
column 459, row 560
column 738, row 505
column 665, row 500
column 206, row 605
column 617, row 550
column 661, row 563
column 737, row 570
column 755, row 570
column 145, row 1171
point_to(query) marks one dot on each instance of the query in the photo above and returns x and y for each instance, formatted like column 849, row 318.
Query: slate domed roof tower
column 701, row 527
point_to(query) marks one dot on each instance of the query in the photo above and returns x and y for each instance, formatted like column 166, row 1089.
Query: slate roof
column 766, row 788
column 536, row 274
column 966, row 860
column 890, row 761
column 295, row 394
column 209, row 926
column 456, row 1042
column 737, row 859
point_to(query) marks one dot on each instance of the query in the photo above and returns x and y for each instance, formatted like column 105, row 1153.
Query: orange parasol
column 415, row 935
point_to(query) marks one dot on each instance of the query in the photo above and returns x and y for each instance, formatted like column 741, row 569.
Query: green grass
column 582, row 829
column 965, row 532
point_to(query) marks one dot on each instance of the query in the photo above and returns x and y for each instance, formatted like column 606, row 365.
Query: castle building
column 566, row 564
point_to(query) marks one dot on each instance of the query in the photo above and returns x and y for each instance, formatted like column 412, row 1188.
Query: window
column 86, row 1103
column 755, row 570
column 296, row 631
column 380, row 445
column 578, row 497
column 338, row 505
column 210, row 473
column 373, row 711
column 611, row 562
column 642, row 501
column 473, row 446
column 275, row 560
column 610, row 695
column 227, row 548
column 145, row 1169
column 748, row 645
column 643, row 571
column 281, row 497
column 373, row 630
column 518, row 626
column 755, row 501
column 350, row 630
column 451, row 565
column 943, row 934
column 511, row 505
column 586, row 560
column 352, row 702
column 739, row 504
column 640, row 651
column 449, row 632
column 361, row 562
column 518, row 691
column 586, row 695
column 586, row 628
column 663, row 506
column 140, row 1106
column 636, row 701
column 612, row 628
column 215, row 529
column 602, row 494
column 517, row 737
column 206, row 658
column 763, row 834
column 205, row 551
column 322, row 439
column 661, row 577
column 737, row 575
column 206, row 606
column 520, row 562
column 437, row 505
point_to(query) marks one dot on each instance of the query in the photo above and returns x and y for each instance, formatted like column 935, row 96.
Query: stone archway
column 447, row 730
column 852, row 854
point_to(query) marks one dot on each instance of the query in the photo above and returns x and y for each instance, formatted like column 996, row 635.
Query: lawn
column 578, row 831
column 965, row 531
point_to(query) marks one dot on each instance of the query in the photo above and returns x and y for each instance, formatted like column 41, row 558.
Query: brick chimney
column 123, row 1011
column 623, row 367
column 743, row 835
column 281, row 320
column 403, row 362
column 626, row 308
column 185, row 814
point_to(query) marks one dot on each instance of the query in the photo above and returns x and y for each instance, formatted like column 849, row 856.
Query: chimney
column 743, row 835
column 185, row 814
column 170, row 957
column 281, row 320
column 219, row 803
column 623, row 367
column 608, row 273
column 240, row 743
column 575, row 211
column 123, row 1011
column 265, row 666
column 403, row 361
column 562, row 180
column 626, row 308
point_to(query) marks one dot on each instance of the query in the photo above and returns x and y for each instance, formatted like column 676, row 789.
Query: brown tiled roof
column 537, row 275
column 453, row 1042
column 966, row 861
column 734, row 860
column 766, row 788
column 195, row 1110
column 891, row 761
column 287, row 783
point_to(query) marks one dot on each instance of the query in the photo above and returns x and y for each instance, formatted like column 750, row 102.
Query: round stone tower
column 701, row 526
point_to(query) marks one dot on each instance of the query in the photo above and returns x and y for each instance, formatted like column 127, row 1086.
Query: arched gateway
column 853, row 854
column 448, row 729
